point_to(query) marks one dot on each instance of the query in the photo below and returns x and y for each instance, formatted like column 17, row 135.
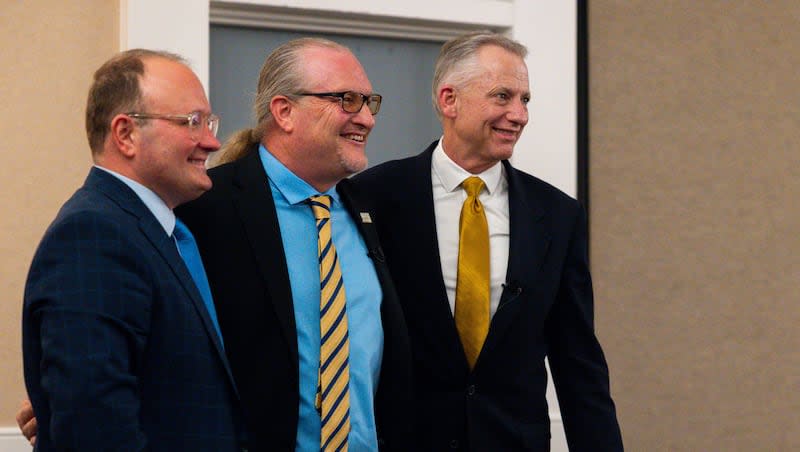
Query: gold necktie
column 472, row 284
column 333, row 393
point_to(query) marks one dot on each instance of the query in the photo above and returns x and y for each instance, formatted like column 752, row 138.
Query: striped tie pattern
column 472, row 283
column 333, row 393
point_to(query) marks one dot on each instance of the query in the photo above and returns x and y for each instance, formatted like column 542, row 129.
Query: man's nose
column 518, row 112
column 364, row 117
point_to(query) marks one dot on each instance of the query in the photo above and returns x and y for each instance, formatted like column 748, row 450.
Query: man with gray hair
column 490, row 265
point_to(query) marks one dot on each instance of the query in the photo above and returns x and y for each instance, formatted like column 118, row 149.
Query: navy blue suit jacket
column 119, row 351
column 546, row 309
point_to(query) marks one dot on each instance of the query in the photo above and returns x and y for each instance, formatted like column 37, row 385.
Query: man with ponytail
column 258, row 236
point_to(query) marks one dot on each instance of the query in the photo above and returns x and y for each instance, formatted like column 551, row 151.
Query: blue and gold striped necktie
column 333, row 393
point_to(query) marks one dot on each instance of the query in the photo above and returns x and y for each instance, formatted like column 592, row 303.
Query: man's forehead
column 161, row 65
column 161, row 72
column 506, row 78
column 166, row 81
column 330, row 68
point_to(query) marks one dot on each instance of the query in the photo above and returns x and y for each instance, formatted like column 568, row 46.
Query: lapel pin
column 365, row 218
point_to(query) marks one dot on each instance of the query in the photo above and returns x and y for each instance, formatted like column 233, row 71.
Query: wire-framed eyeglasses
column 194, row 121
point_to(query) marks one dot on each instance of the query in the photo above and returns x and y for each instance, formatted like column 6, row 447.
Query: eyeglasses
column 352, row 101
column 193, row 121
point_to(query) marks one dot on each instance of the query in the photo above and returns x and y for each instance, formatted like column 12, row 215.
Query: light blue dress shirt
column 363, row 292
column 154, row 203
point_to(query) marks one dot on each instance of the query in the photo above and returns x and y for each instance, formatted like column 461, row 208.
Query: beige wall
column 695, row 182
column 50, row 50
column 695, row 172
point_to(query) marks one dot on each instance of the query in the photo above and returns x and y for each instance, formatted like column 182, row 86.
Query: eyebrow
column 500, row 88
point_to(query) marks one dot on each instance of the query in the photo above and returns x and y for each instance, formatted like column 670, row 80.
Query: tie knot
column 181, row 231
column 473, row 186
column 321, row 206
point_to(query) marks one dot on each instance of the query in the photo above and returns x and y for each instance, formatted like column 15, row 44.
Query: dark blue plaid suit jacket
column 119, row 352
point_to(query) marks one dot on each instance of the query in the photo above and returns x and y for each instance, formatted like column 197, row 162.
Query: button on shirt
column 364, row 295
column 448, row 198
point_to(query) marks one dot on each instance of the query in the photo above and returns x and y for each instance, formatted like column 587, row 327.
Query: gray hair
column 457, row 64
column 281, row 75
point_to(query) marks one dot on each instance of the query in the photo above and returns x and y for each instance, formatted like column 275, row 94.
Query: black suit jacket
column 546, row 309
column 119, row 350
column 236, row 227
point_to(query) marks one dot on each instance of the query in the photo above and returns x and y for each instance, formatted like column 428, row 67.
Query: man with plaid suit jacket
column 120, row 349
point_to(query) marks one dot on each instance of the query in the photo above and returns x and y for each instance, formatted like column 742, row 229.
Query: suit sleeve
column 89, row 302
column 579, row 368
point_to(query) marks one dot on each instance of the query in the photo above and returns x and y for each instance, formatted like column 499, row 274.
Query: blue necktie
column 191, row 256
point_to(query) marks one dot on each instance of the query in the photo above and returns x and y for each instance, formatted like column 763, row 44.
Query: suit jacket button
column 454, row 444
column 471, row 390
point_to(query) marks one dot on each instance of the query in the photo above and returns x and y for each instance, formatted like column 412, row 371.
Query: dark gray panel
column 400, row 70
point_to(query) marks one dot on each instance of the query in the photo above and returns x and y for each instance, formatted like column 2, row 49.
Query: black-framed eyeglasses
column 194, row 121
column 353, row 101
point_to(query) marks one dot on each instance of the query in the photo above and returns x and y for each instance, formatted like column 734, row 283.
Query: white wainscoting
column 11, row 440
column 558, row 440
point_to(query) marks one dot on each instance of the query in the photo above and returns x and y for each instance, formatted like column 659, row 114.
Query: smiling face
column 483, row 118
column 168, row 160
column 331, row 142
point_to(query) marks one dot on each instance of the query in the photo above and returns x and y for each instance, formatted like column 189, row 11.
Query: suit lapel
column 362, row 218
column 529, row 241
column 256, row 209
column 529, row 237
column 415, row 207
column 165, row 246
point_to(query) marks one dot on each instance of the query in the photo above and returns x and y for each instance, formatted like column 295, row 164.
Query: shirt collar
column 451, row 175
column 151, row 200
column 293, row 189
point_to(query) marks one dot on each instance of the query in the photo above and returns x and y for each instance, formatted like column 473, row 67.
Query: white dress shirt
column 448, row 198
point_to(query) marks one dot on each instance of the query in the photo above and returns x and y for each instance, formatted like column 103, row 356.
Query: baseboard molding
column 11, row 440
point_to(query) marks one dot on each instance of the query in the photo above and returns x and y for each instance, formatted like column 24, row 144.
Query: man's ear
column 124, row 135
column 281, row 108
column 446, row 97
